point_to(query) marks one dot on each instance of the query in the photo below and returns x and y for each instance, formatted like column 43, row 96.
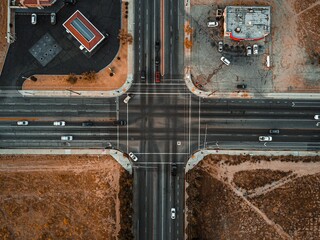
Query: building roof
column 37, row 2
column 247, row 22
column 83, row 30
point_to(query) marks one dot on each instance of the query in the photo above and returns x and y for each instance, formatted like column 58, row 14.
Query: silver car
column 173, row 213
column 225, row 61
column 33, row 18
column 133, row 157
column 22, row 123
column 66, row 138
column 265, row 138
column 220, row 46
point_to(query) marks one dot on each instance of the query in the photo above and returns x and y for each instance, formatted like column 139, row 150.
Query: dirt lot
column 254, row 197
column 64, row 197
column 110, row 78
column 293, row 46
column 3, row 33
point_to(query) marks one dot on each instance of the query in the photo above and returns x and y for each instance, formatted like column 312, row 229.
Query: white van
column 213, row 24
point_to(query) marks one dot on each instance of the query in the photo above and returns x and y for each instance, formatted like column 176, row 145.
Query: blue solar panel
column 82, row 29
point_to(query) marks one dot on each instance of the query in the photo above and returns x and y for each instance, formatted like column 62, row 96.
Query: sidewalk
column 200, row 154
column 113, row 93
column 117, row 155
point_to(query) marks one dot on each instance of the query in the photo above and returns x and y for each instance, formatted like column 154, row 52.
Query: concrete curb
column 116, row 154
column 200, row 154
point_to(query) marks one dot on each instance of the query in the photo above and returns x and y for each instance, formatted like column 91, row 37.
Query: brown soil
column 257, row 178
column 254, row 197
column 3, row 33
column 63, row 197
column 102, row 82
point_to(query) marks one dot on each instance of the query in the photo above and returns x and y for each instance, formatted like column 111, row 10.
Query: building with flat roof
column 247, row 22
column 83, row 31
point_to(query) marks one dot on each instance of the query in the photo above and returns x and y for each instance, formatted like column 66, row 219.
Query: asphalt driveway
column 104, row 14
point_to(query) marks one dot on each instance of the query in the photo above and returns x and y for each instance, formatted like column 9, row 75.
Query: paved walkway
column 117, row 155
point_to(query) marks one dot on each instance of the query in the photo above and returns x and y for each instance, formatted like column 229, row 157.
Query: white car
column 173, row 213
column 255, row 49
column 318, row 124
column 22, row 123
column 249, row 50
column 133, row 157
column 33, row 18
column 213, row 24
column 66, row 138
column 126, row 100
column 265, row 138
column 220, row 46
column 59, row 123
column 316, row 117
column 225, row 61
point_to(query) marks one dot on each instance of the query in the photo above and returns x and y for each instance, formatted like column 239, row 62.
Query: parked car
column 174, row 170
column 249, row 50
column 157, row 46
column 318, row 124
column 255, row 49
column 220, row 46
column 120, row 122
column 22, row 123
column 143, row 76
column 128, row 97
column 317, row 117
column 173, row 213
column 33, row 18
column 70, row 2
column 265, row 138
column 59, row 123
column 274, row 131
column 213, row 24
column 157, row 77
column 53, row 18
column 225, row 61
column 133, row 157
column 66, row 138
column 242, row 86
column 87, row 124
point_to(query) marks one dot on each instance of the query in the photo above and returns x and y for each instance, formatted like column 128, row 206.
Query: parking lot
column 106, row 17
column 294, row 65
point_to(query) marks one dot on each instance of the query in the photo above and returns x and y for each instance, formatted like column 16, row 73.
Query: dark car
column 120, row 122
column 143, row 76
column 157, row 60
column 70, row 2
column 87, row 124
column 274, row 131
column 174, row 170
column 157, row 46
column 242, row 86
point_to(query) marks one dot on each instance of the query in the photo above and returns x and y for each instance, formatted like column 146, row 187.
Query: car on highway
column 255, row 49
column 157, row 77
column 265, row 138
column 120, row 122
column 33, row 18
column 225, row 61
column 316, row 117
column 173, row 213
column 157, row 60
column 242, row 86
column 274, row 131
column 133, row 157
column 318, row 124
column 127, row 99
column 59, row 123
column 53, row 18
column 174, row 169
column 22, row 123
column 143, row 76
column 157, row 46
column 249, row 50
column 66, row 138
column 220, row 46
column 87, row 124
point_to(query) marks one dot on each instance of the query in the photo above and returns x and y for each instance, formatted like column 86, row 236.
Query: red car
column 158, row 77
